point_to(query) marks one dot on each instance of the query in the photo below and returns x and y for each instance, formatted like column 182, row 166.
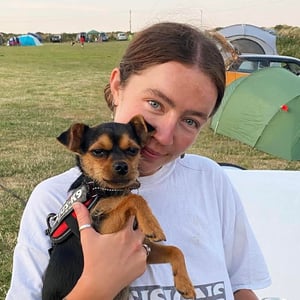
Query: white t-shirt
column 199, row 212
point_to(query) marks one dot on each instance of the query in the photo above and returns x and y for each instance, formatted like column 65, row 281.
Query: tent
column 248, row 38
column 36, row 35
column 263, row 111
column 93, row 32
column 28, row 40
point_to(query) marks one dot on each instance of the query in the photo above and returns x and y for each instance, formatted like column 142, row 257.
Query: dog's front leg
column 169, row 254
column 117, row 216
column 147, row 222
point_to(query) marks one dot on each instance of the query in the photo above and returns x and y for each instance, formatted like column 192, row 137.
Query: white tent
column 250, row 39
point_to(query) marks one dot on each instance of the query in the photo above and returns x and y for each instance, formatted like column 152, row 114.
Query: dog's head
column 109, row 153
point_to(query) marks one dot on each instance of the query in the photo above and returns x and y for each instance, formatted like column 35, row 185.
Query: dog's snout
column 121, row 167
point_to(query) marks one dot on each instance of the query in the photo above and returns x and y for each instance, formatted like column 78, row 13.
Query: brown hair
column 164, row 42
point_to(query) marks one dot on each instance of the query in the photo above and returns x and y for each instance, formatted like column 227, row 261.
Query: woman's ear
column 115, row 84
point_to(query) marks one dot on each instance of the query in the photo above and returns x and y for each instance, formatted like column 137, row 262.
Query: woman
column 174, row 76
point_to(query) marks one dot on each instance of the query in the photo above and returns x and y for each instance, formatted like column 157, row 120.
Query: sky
column 58, row 16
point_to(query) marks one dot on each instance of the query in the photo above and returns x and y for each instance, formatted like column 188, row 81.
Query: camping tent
column 263, row 111
column 248, row 38
column 29, row 40
column 36, row 35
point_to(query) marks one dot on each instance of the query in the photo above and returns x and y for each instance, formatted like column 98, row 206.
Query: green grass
column 42, row 91
column 45, row 89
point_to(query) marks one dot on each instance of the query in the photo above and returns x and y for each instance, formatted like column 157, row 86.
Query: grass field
column 45, row 89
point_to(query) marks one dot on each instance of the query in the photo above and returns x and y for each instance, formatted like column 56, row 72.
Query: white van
column 122, row 36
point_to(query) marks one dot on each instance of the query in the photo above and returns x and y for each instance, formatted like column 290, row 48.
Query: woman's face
column 175, row 99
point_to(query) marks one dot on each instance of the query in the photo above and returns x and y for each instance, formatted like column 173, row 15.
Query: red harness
column 62, row 224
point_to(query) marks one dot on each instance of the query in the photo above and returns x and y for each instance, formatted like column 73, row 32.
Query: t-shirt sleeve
column 31, row 252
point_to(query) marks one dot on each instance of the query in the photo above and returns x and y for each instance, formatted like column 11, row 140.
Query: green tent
column 93, row 32
column 263, row 111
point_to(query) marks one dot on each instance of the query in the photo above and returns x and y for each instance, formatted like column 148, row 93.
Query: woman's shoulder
column 200, row 163
column 54, row 190
column 47, row 197
column 197, row 167
column 60, row 181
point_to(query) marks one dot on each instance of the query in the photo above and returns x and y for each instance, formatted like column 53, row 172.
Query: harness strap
column 62, row 224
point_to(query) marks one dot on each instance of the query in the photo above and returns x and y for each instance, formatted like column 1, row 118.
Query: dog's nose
column 121, row 168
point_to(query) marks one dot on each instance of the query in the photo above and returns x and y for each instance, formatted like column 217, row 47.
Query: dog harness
column 64, row 223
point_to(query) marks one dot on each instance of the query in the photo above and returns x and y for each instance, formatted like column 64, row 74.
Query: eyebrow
column 173, row 105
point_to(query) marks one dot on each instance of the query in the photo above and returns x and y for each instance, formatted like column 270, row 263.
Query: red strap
column 63, row 227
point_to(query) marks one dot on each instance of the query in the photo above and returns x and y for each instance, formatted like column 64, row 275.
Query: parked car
column 249, row 63
column 122, row 36
column 55, row 38
column 103, row 37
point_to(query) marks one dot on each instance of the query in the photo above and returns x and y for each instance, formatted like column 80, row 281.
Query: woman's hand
column 111, row 261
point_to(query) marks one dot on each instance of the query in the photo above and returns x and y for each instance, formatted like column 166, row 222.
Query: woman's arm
column 111, row 261
column 245, row 295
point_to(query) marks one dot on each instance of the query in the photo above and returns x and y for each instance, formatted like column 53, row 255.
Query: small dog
column 108, row 156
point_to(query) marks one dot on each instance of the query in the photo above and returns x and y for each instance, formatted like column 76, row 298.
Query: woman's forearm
column 245, row 295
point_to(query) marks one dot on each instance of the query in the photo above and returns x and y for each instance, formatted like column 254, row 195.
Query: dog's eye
column 99, row 152
column 132, row 151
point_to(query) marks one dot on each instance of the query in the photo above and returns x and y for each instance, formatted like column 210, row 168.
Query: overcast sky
column 56, row 16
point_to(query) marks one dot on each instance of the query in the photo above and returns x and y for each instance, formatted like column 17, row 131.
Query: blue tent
column 36, row 35
column 28, row 40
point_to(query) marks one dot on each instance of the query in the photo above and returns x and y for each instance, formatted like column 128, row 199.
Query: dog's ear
column 142, row 129
column 73, row 136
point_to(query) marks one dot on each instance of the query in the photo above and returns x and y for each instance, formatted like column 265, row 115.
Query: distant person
column 82, row 40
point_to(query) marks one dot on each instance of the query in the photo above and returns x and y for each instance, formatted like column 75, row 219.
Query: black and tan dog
column 108, row 156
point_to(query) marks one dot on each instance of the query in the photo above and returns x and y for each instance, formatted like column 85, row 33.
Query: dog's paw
column 154, row 233
column 152, row 230
column 185, row 287
column 156, row 236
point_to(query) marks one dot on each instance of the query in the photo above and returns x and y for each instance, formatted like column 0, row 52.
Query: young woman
column 174, row 76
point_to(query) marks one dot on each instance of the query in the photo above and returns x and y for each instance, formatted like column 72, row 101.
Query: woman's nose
column 165, row 132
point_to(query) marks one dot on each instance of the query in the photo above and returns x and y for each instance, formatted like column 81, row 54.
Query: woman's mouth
column 150, row 153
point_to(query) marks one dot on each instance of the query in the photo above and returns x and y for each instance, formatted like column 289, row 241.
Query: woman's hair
column 165, row 42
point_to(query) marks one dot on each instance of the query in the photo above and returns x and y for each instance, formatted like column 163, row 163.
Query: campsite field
column 45, row 89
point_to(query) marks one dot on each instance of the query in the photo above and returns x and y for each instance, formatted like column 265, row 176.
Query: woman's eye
column 154, row 104
column 100, row 153
column 192, row 123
